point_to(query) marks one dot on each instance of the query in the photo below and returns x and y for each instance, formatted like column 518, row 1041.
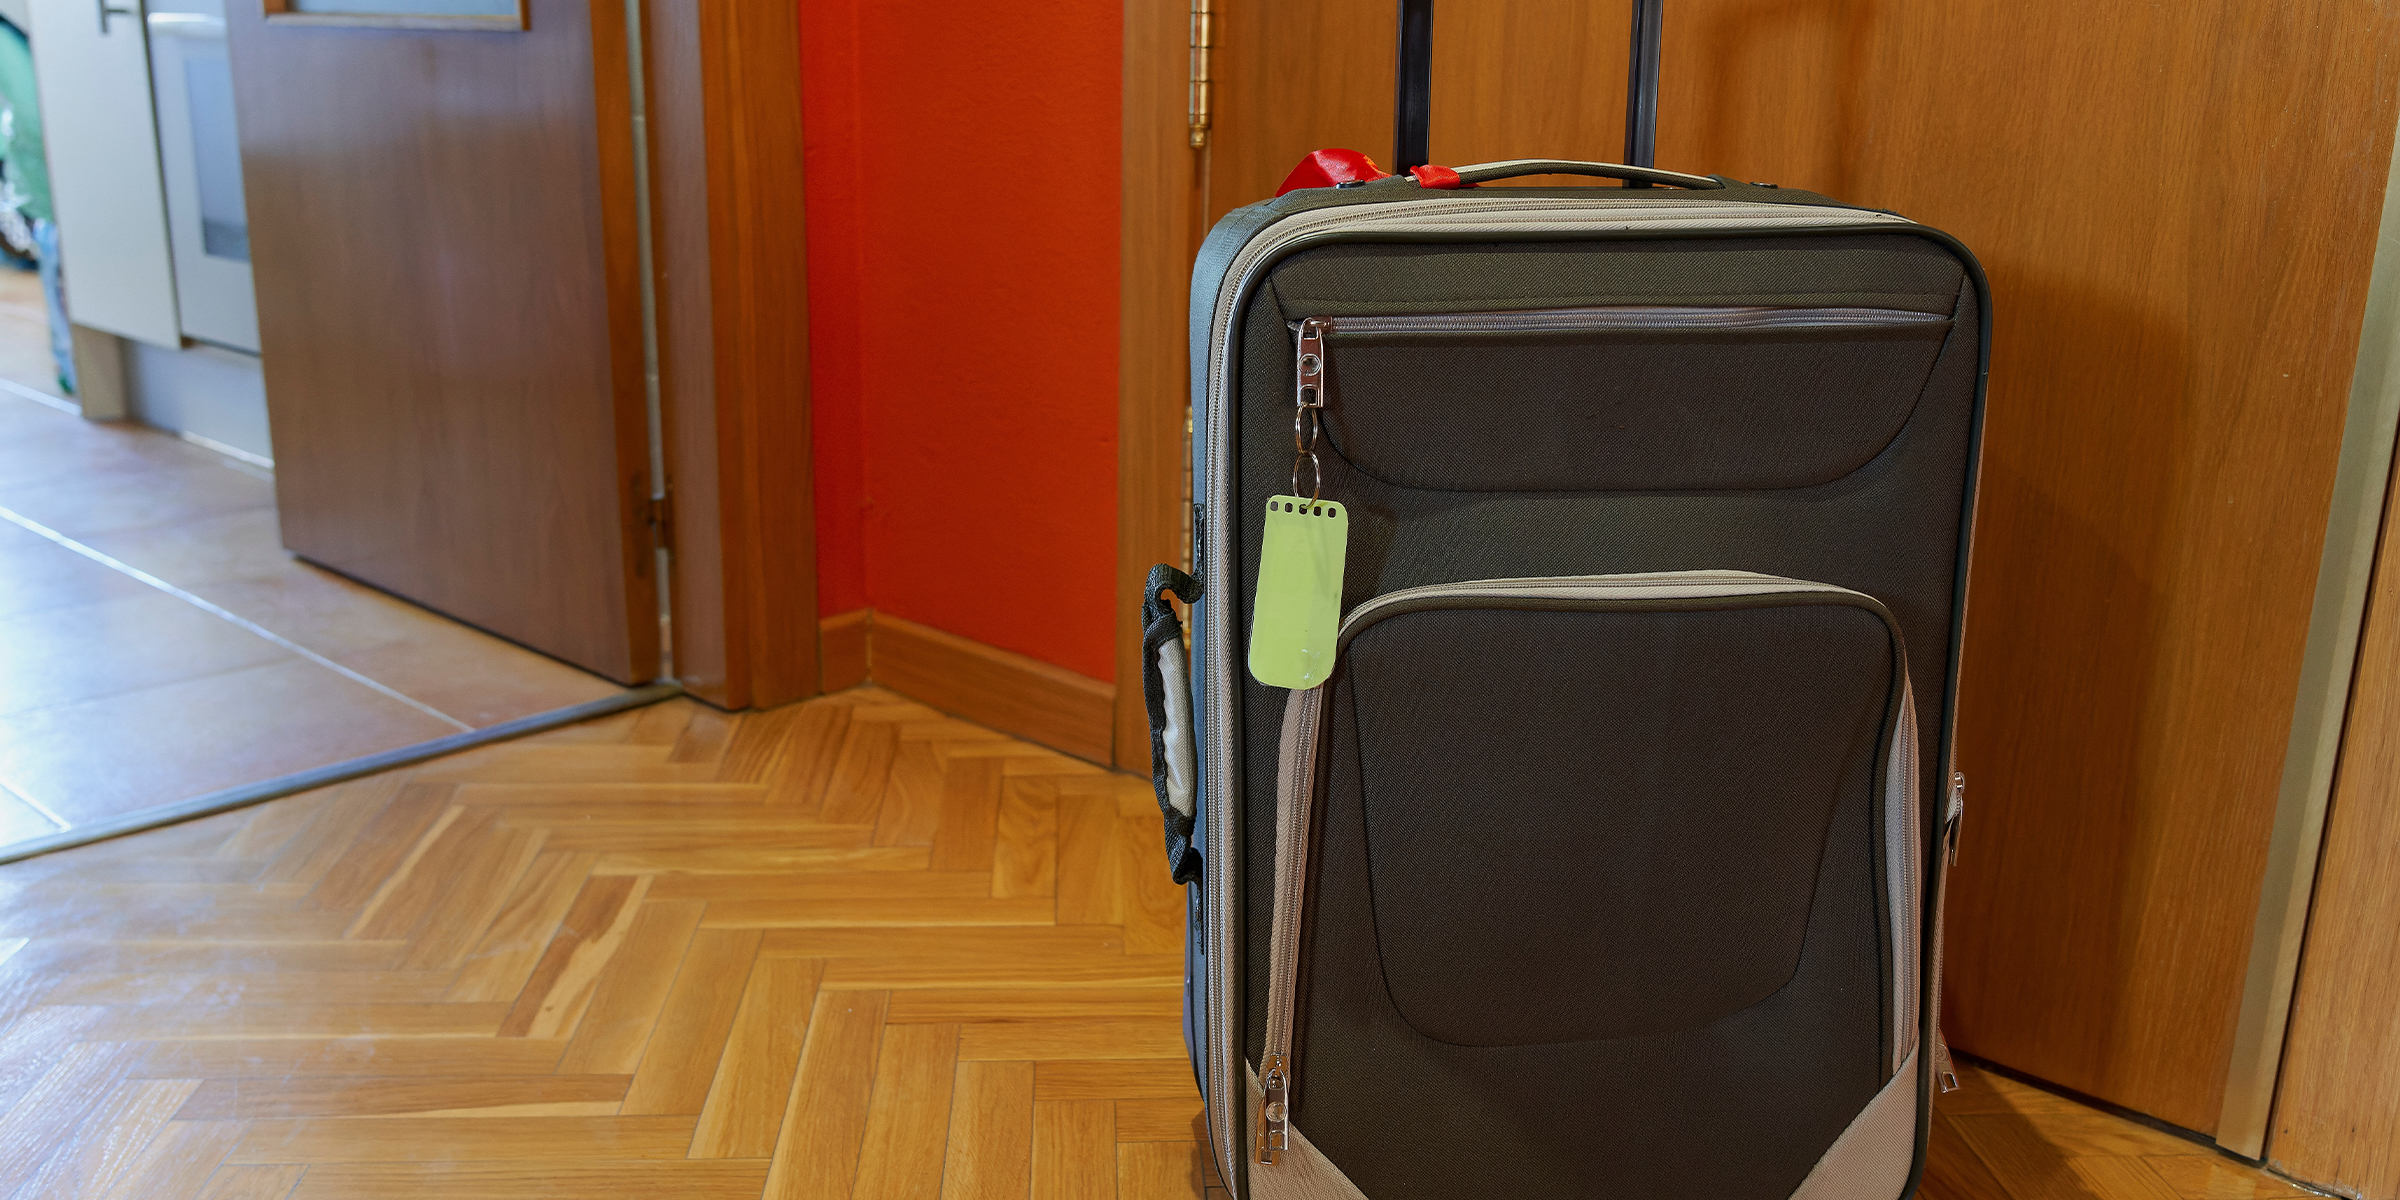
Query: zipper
column 1944, row 1076
column 1309, row 335
column 1651, row 585
column 1310, row 363
column 1481, row 217
column 1901, row 802
column 1629, row 317
column 1297, row 775
column 1297, row 783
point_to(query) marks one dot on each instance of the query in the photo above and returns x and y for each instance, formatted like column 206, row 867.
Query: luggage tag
column 1299, row 606
column 1298, row 610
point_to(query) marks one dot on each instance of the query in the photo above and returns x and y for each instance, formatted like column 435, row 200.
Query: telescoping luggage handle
column 1413, row 107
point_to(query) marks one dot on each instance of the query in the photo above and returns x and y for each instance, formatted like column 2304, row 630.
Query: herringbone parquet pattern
column 848, row 948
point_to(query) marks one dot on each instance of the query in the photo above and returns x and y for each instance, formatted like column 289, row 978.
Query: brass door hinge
column 659, row 514
column 1197, row 100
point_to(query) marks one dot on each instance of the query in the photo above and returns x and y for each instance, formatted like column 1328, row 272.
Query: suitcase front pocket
column 1595, row 809
column 1623, row 398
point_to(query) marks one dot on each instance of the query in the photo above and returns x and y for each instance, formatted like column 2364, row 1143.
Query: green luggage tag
column 1299, row 608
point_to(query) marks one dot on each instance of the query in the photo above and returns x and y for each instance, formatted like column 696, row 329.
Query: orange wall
column 962, row 208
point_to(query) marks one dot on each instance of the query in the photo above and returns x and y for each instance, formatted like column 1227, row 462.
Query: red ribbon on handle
column 1325, row 168
column 1430, row 176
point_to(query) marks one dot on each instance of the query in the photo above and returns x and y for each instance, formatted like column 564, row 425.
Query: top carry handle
column 1413, row 107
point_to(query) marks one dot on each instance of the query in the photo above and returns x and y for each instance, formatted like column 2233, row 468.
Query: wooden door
column 2176, row 206
column 2337, row 1113
column 442, row 226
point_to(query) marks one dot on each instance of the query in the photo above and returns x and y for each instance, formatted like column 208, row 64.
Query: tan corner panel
column 2334, row 1077
column 2351, row 532
column 2336, row 1120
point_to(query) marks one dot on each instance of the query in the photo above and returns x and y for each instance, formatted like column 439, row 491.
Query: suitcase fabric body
column 1608, row 860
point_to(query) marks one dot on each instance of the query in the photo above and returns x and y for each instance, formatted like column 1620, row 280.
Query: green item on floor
column 21, row 147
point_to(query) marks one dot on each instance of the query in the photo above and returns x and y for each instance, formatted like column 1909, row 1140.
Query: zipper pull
column 1306, row 423
column 1950, row 820
column 1945, row 1077
column 1274, row 1086
column 1312, row 363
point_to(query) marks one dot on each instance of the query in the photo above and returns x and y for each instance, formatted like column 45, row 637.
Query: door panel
column 93, row 66
column 2175, row 206
column 449, row 311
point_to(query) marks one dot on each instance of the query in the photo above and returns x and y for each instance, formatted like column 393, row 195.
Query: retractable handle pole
column 1413, row 106
column 1641, row 87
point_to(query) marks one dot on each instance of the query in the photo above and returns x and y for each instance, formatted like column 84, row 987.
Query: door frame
column 728, row 283
column 1162, row 176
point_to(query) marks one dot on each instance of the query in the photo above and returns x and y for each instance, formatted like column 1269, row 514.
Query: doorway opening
column 157, row 642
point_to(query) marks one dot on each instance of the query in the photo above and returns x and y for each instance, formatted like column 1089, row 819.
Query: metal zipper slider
column 1312, row 363
column 1950, row 820
column 1274, row 1086
column 1311, row 401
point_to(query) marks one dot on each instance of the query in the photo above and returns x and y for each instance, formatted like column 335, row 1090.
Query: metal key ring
column 1316, row 475
column 1305, row 428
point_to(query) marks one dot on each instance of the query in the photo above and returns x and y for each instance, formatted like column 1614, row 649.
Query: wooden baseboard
column 1008, row 691
column 843, row 654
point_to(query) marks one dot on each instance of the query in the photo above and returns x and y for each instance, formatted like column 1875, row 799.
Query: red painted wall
column 962, row 205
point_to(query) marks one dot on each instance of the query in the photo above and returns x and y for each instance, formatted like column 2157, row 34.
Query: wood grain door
column 2176, row 205
column 443, row 230
column 2337, row 1112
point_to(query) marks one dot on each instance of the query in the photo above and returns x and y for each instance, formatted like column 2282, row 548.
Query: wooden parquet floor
column 851, row 948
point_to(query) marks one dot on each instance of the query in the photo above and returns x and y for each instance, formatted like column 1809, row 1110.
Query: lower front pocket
column 1603, row 859
column 1588, row 825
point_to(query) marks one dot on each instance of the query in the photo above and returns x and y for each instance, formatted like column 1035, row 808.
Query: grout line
column 36, row 805
column 233, row 452
column 38, row 396
column 40, row 530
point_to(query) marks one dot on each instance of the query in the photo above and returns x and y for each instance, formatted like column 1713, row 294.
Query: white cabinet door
column 201, row 154
column 93, row 65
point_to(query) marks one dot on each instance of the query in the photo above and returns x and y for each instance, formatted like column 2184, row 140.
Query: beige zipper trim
column 1648, row 585
column 1295, row 799
column 1904, row 846
column 1302, row 743
column 1632, row 318
column 1944, row 1078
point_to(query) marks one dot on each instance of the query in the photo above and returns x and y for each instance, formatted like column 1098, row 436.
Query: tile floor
column 117, row 694
column 25, row 332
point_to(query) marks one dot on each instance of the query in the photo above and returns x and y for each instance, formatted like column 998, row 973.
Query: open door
column 442, row 227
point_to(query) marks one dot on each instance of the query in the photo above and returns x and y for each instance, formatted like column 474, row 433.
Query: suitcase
column 1598, row 849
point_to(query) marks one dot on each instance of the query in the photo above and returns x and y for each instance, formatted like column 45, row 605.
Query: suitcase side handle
column 1166, row 692
column 1645, row 176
